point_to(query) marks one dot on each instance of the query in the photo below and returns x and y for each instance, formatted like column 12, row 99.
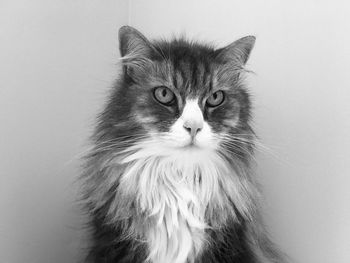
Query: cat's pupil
column 215, row 96
column 164, row 92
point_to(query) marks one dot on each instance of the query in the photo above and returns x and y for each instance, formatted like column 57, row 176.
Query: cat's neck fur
column 180, row 194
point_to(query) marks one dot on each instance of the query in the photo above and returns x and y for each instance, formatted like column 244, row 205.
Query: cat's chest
column 174, row 197
column 176, row 233
column 175, row 194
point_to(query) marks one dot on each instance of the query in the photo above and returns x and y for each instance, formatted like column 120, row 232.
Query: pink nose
column 193, row 126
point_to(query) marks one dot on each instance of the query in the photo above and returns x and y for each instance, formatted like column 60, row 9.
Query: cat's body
column 169, row 179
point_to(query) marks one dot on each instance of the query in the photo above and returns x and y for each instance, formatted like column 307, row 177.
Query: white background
column 58, row 58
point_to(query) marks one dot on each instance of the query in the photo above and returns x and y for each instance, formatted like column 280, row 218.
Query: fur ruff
column 172, row 196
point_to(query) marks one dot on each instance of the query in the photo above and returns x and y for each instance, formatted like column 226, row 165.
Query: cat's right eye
column 164, row 95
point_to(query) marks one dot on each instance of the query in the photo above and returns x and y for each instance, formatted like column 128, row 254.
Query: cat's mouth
column 192, row 144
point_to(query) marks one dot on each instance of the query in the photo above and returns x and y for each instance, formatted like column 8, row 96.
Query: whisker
column 253, row 142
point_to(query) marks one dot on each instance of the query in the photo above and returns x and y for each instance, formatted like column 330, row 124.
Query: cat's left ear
column 239, row 50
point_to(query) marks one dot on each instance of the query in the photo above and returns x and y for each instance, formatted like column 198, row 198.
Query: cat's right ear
column 132, row 43
column 135, row 50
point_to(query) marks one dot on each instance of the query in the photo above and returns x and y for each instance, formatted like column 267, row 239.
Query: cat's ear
column 239, row 50
column 132, row 43
column 135, row 50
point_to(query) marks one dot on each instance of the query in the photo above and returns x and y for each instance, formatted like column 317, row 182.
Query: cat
column 170, row 176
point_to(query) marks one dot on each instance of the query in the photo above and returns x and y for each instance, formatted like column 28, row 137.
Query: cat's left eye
column 164, row 95
column 216, row 99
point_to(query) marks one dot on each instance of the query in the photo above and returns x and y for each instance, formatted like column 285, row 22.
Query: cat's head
column 185, row 94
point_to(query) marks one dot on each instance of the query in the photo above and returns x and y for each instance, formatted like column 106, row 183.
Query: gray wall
column 57, row 59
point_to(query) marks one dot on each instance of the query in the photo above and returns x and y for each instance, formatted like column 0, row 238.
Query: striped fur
column 154, row 192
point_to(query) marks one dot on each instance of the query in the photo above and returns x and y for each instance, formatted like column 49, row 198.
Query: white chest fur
column 176, row 232
column 179, row 192
column 174, row 189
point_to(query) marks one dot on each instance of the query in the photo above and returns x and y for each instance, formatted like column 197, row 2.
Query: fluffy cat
column 169, row 179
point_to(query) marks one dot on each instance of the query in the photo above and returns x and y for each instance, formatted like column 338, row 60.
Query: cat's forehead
column 192, row 78
column 189, row 67
column 184, row 49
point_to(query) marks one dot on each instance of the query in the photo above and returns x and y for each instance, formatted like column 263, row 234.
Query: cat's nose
column 193, row 126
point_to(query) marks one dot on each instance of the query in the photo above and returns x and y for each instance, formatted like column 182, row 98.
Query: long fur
column 152, row 201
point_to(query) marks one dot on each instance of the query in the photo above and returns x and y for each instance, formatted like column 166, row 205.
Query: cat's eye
column 164, row 95
column 216, row 99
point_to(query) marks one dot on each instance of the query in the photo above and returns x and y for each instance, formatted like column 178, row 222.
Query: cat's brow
column 216, row 85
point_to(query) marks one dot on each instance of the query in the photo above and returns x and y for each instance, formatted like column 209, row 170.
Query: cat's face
column 186, row 95
column 188, row 107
